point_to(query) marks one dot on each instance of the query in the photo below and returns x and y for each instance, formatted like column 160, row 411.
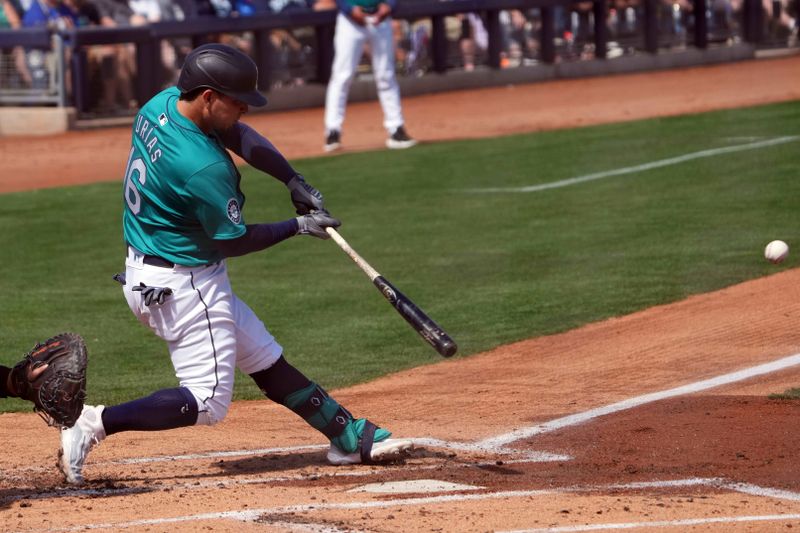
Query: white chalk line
column 580, row 418
column 305, row 527
column 660, row 523
column 221, row 454
column 767, row 492
column 253, row 514
column 639, row 168
column 256, row 514
column 258, row 480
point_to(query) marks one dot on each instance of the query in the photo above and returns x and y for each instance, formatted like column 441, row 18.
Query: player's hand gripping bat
column 422, row 323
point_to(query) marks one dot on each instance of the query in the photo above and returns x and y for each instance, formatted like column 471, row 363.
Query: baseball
column 776, row 251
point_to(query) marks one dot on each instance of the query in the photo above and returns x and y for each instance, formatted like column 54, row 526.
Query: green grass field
column 491, row 268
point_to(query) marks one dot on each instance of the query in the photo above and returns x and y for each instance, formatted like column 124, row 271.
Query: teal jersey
column 181, row 188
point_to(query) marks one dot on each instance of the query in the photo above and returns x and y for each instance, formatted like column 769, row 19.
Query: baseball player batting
column 360, row 22
column 182, row 217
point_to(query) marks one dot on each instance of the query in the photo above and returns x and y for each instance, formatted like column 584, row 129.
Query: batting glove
column 315, row 223
column 304, row 197
column 153, row 295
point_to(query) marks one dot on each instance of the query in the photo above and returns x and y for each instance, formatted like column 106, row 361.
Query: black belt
column 154, row 260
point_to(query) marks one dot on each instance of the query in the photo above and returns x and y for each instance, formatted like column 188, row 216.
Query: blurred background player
column 362, row 22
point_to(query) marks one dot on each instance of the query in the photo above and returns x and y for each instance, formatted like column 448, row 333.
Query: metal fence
column 106, row 71
column 33, row 71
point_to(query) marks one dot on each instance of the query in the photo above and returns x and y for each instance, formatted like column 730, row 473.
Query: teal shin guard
column 348, row 440
column 324, row 414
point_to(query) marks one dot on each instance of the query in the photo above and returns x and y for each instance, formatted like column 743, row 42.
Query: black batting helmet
column 224, row 69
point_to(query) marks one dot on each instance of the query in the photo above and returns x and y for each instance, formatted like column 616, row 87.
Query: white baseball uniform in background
column 349, row 42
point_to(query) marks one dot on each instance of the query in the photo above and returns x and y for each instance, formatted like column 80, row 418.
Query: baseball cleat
column 333, row 141
column 387, row 450
column 77, row 441
column 400, row 140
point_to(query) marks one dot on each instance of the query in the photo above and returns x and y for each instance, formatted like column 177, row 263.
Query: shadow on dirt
column 26, row 497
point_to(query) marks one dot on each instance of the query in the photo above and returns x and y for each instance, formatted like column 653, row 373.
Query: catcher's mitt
column 58, row 391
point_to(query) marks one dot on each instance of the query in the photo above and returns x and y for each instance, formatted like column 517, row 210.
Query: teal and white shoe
column 364, row 442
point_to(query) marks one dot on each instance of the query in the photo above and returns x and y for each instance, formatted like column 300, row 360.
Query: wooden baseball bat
column 422, row 323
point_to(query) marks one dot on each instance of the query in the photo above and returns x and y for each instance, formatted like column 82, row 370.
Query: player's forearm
column 258, row 237
column 257, row 151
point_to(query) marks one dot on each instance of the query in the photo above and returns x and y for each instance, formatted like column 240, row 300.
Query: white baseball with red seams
column 776, row 251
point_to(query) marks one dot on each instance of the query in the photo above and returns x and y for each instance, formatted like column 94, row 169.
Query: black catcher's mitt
column 59, row 391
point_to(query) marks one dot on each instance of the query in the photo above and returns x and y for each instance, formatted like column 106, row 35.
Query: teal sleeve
column 218, row 204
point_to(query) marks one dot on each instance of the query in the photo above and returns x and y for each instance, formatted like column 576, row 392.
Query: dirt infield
column 652, row 421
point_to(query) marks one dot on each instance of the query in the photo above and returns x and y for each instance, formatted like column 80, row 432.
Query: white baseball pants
column 208, row 329
column 348, row 45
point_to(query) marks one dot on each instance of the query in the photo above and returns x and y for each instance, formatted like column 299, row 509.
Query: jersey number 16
column 132, row 196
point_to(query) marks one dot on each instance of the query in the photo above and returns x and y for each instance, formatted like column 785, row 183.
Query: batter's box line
column 507, row 455
column 226, row 480
column 528, row 456
column 478, row 448
column 252, row 515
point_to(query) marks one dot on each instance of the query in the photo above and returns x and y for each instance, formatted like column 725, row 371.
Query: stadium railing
column 147, row 39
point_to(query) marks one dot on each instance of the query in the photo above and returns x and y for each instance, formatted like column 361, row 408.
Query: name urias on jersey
column 144, row 130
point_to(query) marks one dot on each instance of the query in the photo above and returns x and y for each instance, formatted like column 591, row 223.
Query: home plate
column 414, row 485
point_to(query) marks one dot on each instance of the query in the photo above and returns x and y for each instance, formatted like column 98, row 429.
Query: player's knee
column 384, row 83
column 212, row 410
column 343, row 78
column 214, row 413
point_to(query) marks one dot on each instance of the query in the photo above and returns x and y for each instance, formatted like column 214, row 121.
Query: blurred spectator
column 520, row 44
column 722, row 21
column 116, row 63
column 287, row 6
column 293, row 55
column 11, row 18
column 581, row 30
column 412, row 40
column 150, row 11
column 419, row 59
column 782, row 20
column 473, row 41
column 54, row 14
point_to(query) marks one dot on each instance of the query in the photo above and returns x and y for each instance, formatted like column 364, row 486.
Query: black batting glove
column 304, row 197
column 153, row 295
column 315, row 223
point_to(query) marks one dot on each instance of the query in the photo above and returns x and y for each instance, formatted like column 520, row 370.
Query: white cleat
column 77, row 441
column 386, row 450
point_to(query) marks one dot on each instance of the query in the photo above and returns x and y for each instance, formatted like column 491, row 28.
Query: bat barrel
column 417, row 319
column 422, row 323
